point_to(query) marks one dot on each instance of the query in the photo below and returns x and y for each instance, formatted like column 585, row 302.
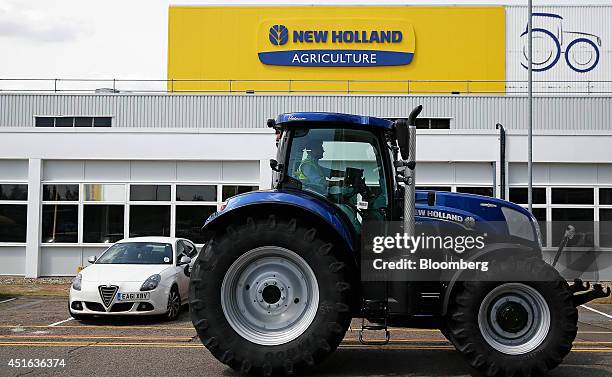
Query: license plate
column 137, row 296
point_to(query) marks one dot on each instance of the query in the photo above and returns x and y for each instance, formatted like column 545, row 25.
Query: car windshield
column 137, row 253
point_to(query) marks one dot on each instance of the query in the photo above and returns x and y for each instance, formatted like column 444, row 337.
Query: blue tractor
column 282, row 274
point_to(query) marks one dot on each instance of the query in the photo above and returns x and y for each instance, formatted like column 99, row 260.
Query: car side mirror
column 184, row 260
column 92, row 259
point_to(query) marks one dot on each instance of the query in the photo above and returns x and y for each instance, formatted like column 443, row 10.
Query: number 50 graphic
column 581, row 49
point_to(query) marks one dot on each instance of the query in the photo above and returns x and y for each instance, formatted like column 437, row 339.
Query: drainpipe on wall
column 502, row 160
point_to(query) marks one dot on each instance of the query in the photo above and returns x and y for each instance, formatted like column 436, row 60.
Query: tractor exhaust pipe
column 406, row 137
column 409, row 195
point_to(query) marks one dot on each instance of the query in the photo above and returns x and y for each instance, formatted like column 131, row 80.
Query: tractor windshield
column 343, row 165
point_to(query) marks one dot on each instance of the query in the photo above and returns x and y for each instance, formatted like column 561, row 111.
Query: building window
column 73, row 121
column 112, row 211
column 60, row 223
column 44, row 122
column 196, row 193
column 485, row 191
column 61, row 192
column 13, row 222
column 519, row 195
column 434, row 188
column 149, row 220
column 150, row 193
column 605, row 196
column 102, row 223
column 13, row 192
column 104, row 192
column 433, row 123
column 580, row 218
column 233, row 190
column 64, row 122
column 102, row 121
column 83, row 121
column 605, row 227
column 189, row 221
column 563, row 195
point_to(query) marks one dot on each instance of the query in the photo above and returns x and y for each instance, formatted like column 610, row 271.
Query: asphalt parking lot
column 39, row 328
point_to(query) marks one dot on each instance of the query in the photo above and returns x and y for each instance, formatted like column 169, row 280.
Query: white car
column 135, row 276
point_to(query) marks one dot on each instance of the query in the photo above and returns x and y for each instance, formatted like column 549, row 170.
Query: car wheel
column 272, row 296
column 520, row 323
column 174, row 305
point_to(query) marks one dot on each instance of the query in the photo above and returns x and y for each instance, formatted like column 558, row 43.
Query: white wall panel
column 12, row 260
column 107, row 170
column 474, row 173
column 240, row 171
column 198, row 171
column 16, row 170
column 561, row 174
column 577, row 174
column 59, row 261
column 604, row 174
column 517, row 174
column 62, row 170
column 153, row 170
column 434, row 173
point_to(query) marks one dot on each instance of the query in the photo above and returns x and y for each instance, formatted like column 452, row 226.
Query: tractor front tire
column 518, row 321
column 271, row 296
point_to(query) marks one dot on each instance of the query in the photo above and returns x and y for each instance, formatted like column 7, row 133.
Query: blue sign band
column 336, row 58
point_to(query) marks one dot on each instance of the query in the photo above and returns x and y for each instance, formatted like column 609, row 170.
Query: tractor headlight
column 76, row 282
column 151, row 283
column 519, row 225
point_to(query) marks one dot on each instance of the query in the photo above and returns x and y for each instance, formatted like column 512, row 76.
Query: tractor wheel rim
column 514, row 318
column 270, row 295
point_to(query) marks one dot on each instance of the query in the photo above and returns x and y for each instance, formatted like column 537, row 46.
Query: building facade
column 80, row 171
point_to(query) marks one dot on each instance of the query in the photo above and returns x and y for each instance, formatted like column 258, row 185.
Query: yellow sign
column 337, row 49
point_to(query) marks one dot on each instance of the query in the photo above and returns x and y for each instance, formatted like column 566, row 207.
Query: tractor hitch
column 583, row 293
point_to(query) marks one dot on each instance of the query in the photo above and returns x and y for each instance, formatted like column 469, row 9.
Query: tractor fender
column 487, row 251
column 293, row 203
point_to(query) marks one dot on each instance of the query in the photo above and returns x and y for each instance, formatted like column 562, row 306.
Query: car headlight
column 76, row 282
column 151, row 283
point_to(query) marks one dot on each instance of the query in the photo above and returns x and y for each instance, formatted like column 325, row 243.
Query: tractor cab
column 343, row 159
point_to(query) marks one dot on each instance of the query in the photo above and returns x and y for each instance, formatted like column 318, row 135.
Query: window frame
column 54, row 117
column 127, row 203
column 549, row 206
column 16, row 202
column 78, row 203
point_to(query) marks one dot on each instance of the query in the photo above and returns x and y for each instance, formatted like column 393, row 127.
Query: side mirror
column 403, row 137
column 184, row 260
column 92, row 259
column 274, row 165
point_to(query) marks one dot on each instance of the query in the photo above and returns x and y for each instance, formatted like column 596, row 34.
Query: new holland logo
column 382, row 43
column 279, row 35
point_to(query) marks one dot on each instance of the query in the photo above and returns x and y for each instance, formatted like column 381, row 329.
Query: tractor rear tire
column 513, row 326
column 271, row 296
